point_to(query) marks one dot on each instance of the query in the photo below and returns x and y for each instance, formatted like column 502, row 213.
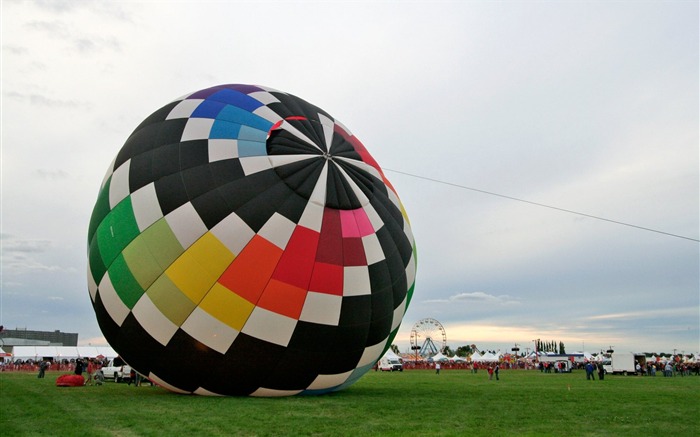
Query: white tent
column 439, row 357
column 61, row 352
column 96, row 351
column 488, row 357
column 476, row 357
column 458, row 359
column 538, row 355
column 390, row 354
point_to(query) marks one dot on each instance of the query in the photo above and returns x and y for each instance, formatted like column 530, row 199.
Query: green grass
column 399, row 404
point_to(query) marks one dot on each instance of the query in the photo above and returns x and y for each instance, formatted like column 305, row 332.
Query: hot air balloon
column 244, row 242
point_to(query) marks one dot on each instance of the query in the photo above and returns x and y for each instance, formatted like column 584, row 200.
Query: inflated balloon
column 244, row 242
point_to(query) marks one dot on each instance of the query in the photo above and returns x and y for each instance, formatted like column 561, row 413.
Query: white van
column 390, row 365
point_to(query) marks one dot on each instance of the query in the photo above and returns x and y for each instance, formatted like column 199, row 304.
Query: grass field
column 415, row 402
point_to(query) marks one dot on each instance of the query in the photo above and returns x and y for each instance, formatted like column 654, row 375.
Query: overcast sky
column 585, row 106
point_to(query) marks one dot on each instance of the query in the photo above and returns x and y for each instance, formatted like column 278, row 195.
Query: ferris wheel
column 428, row 336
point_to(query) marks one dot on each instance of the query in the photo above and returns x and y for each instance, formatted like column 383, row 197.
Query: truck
column 390, row 364
column 117, row 370
column 624, row 363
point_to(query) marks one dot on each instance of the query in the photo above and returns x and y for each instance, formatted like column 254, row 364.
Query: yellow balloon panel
column 227, row 306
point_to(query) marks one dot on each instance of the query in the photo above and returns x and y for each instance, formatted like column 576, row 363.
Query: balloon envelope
column 244, row 242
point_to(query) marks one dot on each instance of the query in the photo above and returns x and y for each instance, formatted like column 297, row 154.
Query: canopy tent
column 61, row 352
column 475, row 357
column 488, row 357
column 390, row 354
column 439, row 357
column 458, row 359
column 688, row 359
column 532, row 356
column 541, row 354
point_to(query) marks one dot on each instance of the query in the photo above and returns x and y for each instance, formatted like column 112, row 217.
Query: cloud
column 15, row 49
column 21, row 266
column 477, row 297
column 653, row 313
column 40, row 100
column 95, row 44
column 83, row 42
column 58, row 6
column 589, row 333
column 21, row 256
column 55, row 29
column 11, row 245
column 112, row 10
column 51, row 174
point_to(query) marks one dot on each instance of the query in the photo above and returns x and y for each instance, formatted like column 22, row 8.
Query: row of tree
column 550, row 346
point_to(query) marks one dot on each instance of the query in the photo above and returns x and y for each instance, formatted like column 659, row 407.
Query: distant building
column 27, row 337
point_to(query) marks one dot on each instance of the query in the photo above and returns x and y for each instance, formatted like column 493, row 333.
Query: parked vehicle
column 562, row 366
column 560, row 363
column 624, row 363
column 117, row 369
column 390, row 365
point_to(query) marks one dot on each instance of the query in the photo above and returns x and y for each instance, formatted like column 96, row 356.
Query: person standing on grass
column 78, row 367
column 490, row 373
column 495, row 371
column 90, row 369
column 437, row 368
column 42, row 368
column 601, row 371
column 589, row 371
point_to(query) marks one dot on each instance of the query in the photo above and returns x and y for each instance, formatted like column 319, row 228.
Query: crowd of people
column 463, row 365
column 62, row 365
column 89, row 368
column 668, row 369
column 92, row 368
column 593, row 369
